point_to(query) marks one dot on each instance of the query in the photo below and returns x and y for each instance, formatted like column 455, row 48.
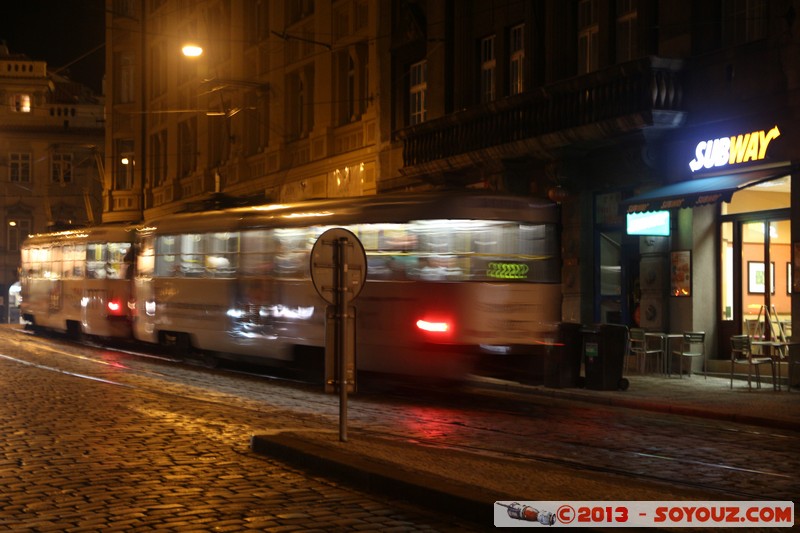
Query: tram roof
column 100, row 233
column 384, row 208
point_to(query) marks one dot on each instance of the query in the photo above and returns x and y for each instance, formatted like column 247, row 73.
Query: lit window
column 488, row 66
column 125, row 165
column 418, row 91
column 18, row 229
column 517, row 58
column 21, row 103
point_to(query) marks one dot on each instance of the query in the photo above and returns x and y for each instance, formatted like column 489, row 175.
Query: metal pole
column 341, row 331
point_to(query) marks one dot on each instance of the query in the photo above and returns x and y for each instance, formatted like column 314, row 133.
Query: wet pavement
column 469, row 484
column 113, row 455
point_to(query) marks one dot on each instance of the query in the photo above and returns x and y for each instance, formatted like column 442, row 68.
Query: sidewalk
column 464, row 484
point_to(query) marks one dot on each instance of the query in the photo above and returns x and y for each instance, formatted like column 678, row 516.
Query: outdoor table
column 664, row 340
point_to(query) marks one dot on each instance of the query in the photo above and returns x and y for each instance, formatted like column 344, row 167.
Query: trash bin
column 604, row 356
column 563, row 359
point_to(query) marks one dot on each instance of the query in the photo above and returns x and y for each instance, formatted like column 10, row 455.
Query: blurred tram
column 78, row 281
column 448, row 275
column 451, row 276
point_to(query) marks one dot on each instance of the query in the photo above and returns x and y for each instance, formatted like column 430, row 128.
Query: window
column 588, row 36
column 743, row 21
column 256, row 124
column 418, row 105
column 352, row 80
column 18, row 230
column 627, row 48
column 158, row 158
column 192, row 255
column 19, row 168
column 516, row 60
column 300, row 98
column 158, row 69
column 61, row 168
column 107, row 261
column 187, row 146
column 298, row 9
column 123, row 178
column 124, row 77
column 21, row 103
column 488, row 67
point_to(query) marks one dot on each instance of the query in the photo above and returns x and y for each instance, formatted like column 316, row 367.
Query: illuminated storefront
column 730, row 215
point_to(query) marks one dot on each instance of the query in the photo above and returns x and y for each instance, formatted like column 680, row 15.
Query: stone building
column 609, row 107
column 51, row 155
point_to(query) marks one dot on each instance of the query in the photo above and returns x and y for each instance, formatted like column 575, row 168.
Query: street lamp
column 192, row 50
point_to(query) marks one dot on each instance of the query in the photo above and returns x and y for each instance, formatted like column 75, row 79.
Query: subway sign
column 741, row 148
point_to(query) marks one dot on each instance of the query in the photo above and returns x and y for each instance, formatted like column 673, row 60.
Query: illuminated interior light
column 433, row 327
column 150, row 308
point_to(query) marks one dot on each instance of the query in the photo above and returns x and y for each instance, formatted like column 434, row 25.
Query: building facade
column 51, row 154
column 280, row 105
column 608, row 107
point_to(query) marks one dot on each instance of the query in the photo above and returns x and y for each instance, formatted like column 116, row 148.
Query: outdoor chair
column 642, row 350
column 742, row 354
column 693, row 346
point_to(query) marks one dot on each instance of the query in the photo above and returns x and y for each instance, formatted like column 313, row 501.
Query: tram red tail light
column 114, row 307
column 433, row 326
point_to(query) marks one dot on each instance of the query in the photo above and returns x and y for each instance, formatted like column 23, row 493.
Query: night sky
column 59, row 32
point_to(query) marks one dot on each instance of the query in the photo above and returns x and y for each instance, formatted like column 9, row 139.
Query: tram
column 450, row 276
column 78, row 281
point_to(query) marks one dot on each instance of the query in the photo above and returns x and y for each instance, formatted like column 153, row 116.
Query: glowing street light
column 192, row 50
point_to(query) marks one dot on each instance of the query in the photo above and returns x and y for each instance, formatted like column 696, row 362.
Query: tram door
column 756, row 277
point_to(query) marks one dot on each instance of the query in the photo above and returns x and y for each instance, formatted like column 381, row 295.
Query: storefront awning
column 696, row 192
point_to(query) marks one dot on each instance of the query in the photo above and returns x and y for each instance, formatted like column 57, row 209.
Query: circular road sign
column 323, row 264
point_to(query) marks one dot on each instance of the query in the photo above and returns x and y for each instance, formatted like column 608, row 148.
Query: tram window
column 166, row 253
column 99, row 263
column 115, row 261
column 68, row 261
column 223, row 250
column 192, row 247
column 290, row 260
column 258, row 252
column 145, row 261
column 56, row 253
column 34, row 263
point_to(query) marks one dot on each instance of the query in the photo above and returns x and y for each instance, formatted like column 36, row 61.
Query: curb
column 646, row 405
column 469, row 503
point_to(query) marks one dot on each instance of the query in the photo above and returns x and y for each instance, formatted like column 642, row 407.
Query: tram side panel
column 438, row 329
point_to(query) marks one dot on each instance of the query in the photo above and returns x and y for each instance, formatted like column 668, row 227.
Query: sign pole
column 338, row 271
column 340, row 245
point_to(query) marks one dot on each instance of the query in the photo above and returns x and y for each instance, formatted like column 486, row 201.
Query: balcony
column 581, row 112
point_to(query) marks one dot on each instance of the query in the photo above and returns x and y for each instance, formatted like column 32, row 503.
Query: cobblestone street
column 86, row 455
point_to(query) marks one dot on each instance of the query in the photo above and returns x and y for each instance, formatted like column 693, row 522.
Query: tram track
column 470, row 401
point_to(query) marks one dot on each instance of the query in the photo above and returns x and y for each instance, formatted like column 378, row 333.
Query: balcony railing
column 640, row 88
